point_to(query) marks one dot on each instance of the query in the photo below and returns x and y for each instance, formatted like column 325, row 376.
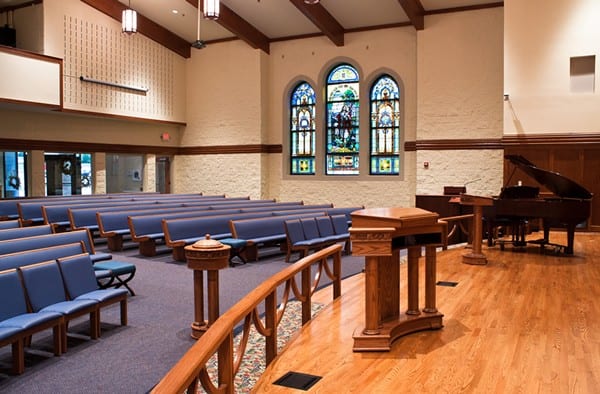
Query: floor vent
column 297, row 380
column 446, row 283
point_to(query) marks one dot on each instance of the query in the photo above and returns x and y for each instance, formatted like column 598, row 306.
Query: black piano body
column 568, row 207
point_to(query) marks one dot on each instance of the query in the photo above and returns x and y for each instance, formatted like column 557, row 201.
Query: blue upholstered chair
column 16, row 322
column 46, row 291
column 311, row 231
column 80, row 282
column 298, row 239
column 120, row 274
column 340, row 225
column 295, row 238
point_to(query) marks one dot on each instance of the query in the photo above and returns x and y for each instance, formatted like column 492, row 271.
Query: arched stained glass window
column 342, row 121
column 302, row 129
column 385, row 127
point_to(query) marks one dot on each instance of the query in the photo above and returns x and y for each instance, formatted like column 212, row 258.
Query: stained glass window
column 302, row 129
column 385, row 127
column 342, row 121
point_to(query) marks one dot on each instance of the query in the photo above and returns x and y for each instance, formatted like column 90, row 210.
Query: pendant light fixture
column 211, row 9
column 129, row 20
column 198, row 44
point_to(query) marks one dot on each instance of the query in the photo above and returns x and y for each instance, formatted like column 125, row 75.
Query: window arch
column 302, row 130
column 385, row 127
column 342, row 113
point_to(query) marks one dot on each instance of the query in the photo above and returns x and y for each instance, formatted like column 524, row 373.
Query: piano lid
column 553, row 181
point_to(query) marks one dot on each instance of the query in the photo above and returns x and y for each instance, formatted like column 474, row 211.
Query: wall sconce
column 129, row 20
column 211, row 9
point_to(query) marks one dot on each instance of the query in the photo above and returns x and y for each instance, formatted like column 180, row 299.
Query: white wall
column 460, row 92
column 540, row 39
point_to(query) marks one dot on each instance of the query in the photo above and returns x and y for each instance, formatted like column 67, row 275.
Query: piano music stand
column 476, row 256
column 379, row 234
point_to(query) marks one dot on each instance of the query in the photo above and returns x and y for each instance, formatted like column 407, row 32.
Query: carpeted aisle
column 132, row 359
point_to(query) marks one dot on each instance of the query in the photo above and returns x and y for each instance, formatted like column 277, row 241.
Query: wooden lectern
column 478, row 202
column 379, row 234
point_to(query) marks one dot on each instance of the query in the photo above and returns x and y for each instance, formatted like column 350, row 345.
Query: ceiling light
column 311, row 1
column 198, row 44
column 129, row 20
column 211, row 9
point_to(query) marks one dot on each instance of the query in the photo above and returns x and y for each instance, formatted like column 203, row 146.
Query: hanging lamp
column 129, row 20
column 211, row 9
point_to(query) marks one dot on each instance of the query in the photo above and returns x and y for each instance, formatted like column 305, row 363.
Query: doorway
column 68, row 174
column 163, row 174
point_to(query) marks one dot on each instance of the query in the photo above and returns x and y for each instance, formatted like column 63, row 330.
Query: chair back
column 78, row 274
column 340, row 224
column 309, row 225
column 44, row 284
column 325, row 226
column 12, row 294
column 293, row 229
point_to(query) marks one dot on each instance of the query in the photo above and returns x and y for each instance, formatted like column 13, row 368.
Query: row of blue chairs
column 314, row 233
column 49, row 295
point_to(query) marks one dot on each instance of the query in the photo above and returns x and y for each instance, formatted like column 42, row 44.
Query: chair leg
column 18, row 357
column 124, row 312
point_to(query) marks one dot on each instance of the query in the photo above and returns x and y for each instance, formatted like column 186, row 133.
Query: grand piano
column 568, row 207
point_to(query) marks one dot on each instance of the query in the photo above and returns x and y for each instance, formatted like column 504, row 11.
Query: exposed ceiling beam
column 150, row 29
column 239, row 26
column 323, row 20
column 415, row 12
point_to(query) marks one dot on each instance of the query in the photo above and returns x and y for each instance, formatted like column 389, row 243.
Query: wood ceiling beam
column 323, row 20
column 415, row 12
column 239, row 26
column 147, row 27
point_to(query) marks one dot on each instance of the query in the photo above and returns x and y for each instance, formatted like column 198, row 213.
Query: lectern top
column 397, row 217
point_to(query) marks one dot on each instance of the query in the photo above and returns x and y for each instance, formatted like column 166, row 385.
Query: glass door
column 14, row 168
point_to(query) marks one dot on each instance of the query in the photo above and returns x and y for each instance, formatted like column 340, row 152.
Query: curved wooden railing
column 191, row 369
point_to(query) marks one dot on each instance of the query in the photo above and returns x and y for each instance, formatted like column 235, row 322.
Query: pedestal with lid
column 211, row 256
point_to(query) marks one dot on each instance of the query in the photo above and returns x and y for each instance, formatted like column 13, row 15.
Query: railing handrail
column 186, row 373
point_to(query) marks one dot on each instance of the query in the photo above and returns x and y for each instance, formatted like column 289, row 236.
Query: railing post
column 271, row 327
column 306, row 301
column 337, row 272
column 225, row 360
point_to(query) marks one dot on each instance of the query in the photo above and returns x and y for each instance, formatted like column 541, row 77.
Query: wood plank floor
column 523, row 323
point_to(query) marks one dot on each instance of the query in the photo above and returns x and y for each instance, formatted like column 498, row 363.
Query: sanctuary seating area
column 50, row 267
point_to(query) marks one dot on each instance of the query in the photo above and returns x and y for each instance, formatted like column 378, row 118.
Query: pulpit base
column 393, row 329
column 474, row 258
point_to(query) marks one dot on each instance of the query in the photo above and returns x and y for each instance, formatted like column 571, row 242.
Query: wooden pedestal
column 476, row 256
column 211, row 260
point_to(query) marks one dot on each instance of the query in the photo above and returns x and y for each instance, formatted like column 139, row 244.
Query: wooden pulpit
column 379, row 234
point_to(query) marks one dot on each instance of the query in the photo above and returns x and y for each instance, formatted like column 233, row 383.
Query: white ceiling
column 276, row 18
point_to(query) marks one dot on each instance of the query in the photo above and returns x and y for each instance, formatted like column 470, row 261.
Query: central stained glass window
column 343, row 144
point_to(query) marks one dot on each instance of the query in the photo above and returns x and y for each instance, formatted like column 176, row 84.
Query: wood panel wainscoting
column 525, row 322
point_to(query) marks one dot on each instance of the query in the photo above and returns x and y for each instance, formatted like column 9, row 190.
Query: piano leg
column 570, row 238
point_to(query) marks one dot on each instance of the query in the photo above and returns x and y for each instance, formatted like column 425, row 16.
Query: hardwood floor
column 525, row 322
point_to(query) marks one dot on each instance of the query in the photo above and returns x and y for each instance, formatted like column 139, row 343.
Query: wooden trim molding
column 465, row 8
column 68, row 146
column 121, row 117
column 453, row 144
column 533, row 141
column 230, row 149
column 523, row 141
column 538, row 140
